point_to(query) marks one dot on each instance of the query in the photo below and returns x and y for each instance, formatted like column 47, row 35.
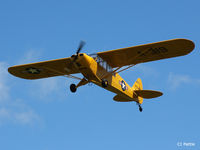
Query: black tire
column 140, row 108
column 73, row 88
column 104, row 83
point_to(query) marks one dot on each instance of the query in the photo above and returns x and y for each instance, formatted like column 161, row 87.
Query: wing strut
column 125, row 68
column 108, row 73
column 64, row 75
column 116, row 71
column 132, row 59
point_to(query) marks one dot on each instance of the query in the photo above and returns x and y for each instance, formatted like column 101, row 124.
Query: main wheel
column 104, row 83
column 73, row 88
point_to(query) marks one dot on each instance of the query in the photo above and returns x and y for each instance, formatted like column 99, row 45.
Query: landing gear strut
column 104, row 83
column 73, row 88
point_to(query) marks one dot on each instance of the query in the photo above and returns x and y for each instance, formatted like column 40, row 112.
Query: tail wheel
column 73, row 88
column 140, row 108
column 104, row 83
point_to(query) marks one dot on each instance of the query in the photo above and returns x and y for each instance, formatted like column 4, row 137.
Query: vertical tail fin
column 138, row 86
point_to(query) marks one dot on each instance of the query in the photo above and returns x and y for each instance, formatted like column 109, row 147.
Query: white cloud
column 4, row 89
column 30, row 56
column 48, row 89
column 26, row 117
column 18, row 115
column 4, row 113
column 48, row 86
column 13, row 110
column 175, row 80
column 146, row 70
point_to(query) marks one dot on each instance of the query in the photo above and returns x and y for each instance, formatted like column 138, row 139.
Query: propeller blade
column 82, row 43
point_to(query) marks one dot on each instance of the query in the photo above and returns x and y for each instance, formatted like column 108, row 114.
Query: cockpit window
column 102, row 62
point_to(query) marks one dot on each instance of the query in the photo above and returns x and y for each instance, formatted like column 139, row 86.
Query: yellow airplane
column 102, row 68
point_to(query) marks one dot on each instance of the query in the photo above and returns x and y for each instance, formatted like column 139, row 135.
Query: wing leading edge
column 148, row 52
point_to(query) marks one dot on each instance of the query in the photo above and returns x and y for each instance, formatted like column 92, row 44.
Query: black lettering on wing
column 153, row 51
column 158, row 50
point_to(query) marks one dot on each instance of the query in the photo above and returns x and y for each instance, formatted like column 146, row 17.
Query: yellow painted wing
column 44, row 69
column 148, row 52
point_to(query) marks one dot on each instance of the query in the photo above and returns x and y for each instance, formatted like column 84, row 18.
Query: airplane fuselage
column 95, row 73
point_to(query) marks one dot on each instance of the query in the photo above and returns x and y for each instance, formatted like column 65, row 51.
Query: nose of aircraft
column 85, row 59
column 82, row 59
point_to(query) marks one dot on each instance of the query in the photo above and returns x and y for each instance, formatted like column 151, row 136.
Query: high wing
column 45, row 69
column 148, row 52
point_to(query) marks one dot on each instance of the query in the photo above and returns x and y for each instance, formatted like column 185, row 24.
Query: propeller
column 75, row 56
column 82, row 43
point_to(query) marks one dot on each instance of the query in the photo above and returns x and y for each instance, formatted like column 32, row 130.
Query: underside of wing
column 45, row 69
column 147, row 52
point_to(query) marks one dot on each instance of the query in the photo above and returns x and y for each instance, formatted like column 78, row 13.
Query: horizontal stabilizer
column 119, row 98
column 148, row 93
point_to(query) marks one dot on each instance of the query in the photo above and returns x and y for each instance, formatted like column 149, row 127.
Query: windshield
column 101, row 62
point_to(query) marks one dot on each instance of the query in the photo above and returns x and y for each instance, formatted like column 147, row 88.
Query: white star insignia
column 33, row 70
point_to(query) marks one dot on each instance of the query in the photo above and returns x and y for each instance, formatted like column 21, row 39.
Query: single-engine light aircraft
column 103, row 68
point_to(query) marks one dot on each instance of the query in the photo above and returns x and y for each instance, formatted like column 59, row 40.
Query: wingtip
column 189, row 44
column 10, row 70
column 161, row 93
column 192, row 45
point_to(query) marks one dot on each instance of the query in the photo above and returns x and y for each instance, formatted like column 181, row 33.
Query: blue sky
column 44, row 115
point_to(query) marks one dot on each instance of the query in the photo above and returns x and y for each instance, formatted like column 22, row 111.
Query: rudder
column 138, row 86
